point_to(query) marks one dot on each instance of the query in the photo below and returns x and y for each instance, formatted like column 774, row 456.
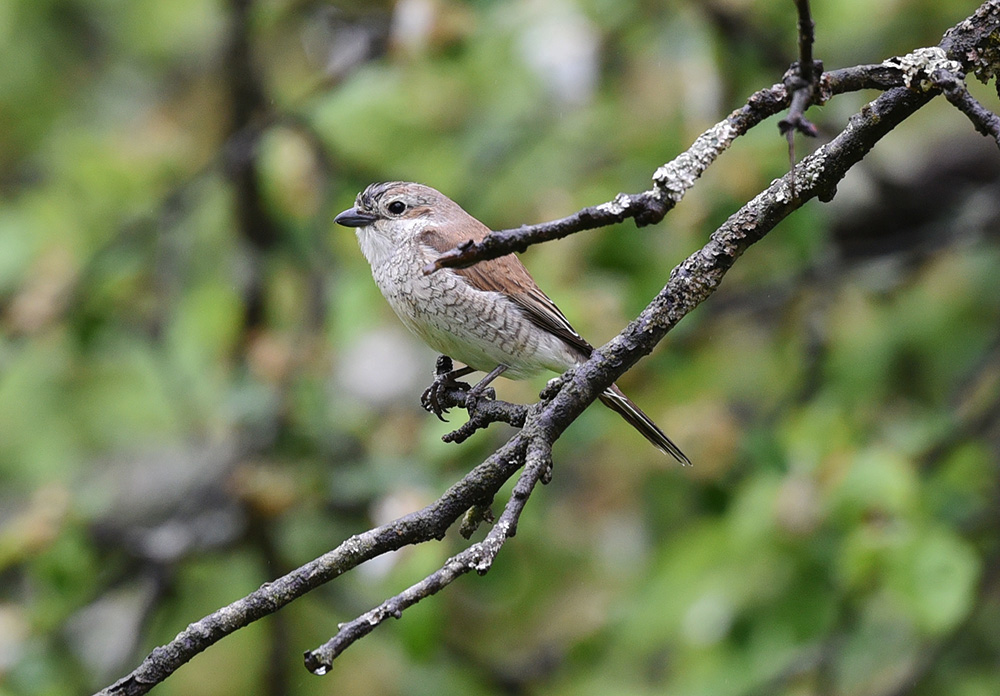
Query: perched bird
column 491, row 316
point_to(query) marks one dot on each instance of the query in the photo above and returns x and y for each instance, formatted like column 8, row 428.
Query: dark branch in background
column 694, row 280
column 807, row 37
column 739, row 27
column 260, row 536
column 801, row 81
column 249, row 106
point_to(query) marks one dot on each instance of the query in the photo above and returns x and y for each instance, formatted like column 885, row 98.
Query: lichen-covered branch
column 698, row 276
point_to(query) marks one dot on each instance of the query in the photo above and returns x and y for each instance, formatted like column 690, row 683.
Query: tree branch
column 698, row 276
column 968, row 45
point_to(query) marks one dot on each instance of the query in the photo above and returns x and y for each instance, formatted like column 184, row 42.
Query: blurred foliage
column 201, row 388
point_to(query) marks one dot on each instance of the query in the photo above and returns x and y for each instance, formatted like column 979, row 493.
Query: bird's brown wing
column 508, row 276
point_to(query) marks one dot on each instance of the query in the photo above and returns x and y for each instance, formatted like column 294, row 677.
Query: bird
column 492, row 316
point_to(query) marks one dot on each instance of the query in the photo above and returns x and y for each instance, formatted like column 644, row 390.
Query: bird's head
column 390, row 214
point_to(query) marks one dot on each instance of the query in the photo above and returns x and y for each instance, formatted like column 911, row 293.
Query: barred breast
column 482, row 329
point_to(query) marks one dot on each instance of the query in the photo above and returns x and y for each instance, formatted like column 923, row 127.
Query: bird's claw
column 433, row 398
column 430, row 400
column 446, row 379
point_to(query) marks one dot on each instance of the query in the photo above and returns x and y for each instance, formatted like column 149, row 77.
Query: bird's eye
column 396, row 207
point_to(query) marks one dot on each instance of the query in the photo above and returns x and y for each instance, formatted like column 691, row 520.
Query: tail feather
column 614, row 399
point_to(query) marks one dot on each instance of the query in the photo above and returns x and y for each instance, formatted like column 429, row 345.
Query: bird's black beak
column 352, row 217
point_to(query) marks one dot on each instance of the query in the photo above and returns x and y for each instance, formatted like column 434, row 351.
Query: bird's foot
column 446, row 377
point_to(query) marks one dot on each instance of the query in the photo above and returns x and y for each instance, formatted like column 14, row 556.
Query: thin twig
column 482, row 414
column 801, row 80
column 807, row 36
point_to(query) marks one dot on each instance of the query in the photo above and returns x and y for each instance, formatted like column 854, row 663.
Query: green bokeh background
column 201, row 388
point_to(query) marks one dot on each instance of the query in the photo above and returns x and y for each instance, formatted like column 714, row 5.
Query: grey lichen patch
column 490, row 546
column 673, row 179
column 619, row 206
column 918, row 66
column 807, row 174
column 783, row 192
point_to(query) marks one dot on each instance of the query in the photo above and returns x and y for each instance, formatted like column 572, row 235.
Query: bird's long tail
column 614, row 399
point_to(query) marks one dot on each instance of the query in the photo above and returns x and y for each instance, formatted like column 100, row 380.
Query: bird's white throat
column 376, row 247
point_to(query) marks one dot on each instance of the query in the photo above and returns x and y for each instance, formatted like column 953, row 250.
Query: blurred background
column 201, row 387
